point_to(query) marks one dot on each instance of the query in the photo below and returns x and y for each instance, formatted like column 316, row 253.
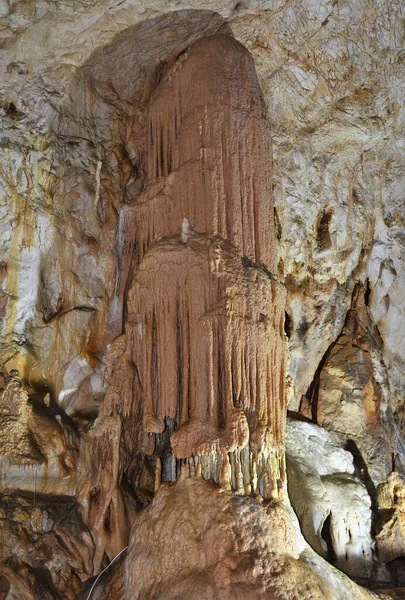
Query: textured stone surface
column 45, row 545
column 349, row 400
column 331, row 503
column 391, row 526
column 240, row 549
column 199, row 373
column 333, row 90
column 77, row 97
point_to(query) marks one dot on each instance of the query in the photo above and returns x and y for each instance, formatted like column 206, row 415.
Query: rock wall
column 121, row 144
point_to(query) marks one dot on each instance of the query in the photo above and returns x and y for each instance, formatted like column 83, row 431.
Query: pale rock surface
column 391, row 526
column 74, row 78
column 348, row 398
column 331, row 503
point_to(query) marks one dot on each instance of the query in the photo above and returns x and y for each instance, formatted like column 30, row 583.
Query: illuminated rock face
column 205, row 317
column 138, row 226
column 331, row 503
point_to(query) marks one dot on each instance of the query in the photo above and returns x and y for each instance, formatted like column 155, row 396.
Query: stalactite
column 207, row 154
column 203, row 291
column 200, row 369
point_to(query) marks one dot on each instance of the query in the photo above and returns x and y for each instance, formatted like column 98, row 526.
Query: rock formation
column 201, row 365
column 390, row 527
column 205, row 317
column 148, row 285
column 330, row 501
column 238, row 565
column 349, row 400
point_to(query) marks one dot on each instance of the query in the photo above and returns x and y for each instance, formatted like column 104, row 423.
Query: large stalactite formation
column 204, row 324
column 204, row 343
column 145, row 446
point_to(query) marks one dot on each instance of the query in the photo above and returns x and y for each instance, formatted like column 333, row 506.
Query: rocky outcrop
column 348, row 398
column 331, row 502
column 46, row 549
column 141, row 304
column 390, row 527
column 241, row 548
column 37, row 440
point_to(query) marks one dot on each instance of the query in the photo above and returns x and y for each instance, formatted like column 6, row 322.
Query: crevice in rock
column 4, row 587
column 323, row 238
column 12, row 111
column 364, row 475
column 287, row 325
column 312, row 393
column 367, row 293
column 326, row 534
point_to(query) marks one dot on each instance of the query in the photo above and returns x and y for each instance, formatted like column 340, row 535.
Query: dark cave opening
column 326, row 534
column 323, row 238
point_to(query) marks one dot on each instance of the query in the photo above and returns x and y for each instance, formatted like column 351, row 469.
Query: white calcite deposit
column 332, row 504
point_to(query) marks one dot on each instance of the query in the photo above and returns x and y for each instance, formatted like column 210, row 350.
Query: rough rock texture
column 216, row 328
column 92, row 175
column 205, row 320
column 331, row 503
column 240, row 549
column 348, row 399
column 38, row 445
column 390, row 526
column 333, row 90
column 200, row 371
column 46, row 544
column 207, row 146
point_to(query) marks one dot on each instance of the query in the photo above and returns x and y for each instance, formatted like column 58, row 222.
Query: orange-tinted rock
column 208, row 152
column 207, row 335
column 198, row 377
column 204, row 351
column 198, row 540
column 349, row 401
column 205, row 157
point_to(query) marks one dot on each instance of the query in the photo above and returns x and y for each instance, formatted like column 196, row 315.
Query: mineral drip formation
column 202, row 359
column 209, row 142
column 206, row 158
